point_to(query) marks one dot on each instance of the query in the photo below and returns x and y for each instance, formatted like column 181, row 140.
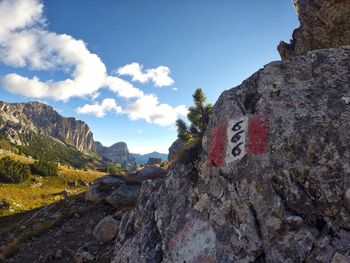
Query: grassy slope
column 46, row 147
column 29, row 195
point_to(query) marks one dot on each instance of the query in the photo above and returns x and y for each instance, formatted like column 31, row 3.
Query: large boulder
column 174, row 149
column 102, row 188
column 153, row 160
column 272, row 182
column 106, row 229
column 124, row 196
column 151, row 170
column 323, row 24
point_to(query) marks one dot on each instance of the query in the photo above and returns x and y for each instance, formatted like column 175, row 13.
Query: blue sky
column 139, row 62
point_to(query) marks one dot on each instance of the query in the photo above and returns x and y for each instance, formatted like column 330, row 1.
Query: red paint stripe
column 218, row 138
column 258, row 134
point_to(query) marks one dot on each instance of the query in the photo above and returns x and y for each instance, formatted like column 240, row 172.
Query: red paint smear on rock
column 258, row 134
column 218, row 140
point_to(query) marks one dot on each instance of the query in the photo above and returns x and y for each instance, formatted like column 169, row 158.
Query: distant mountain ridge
column 39, row 118
column 118, row 153
column 143, row 158
column 38, row 130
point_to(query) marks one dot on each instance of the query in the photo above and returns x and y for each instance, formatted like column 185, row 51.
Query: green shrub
column 189, row 152
column 46, row 148
column 191, row 135
column 164, row 164
column 198, row 115
column 115, row 169
column 45, row 168
column 12, row 171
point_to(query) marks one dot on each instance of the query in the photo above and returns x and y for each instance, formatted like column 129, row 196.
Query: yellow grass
column 40, row 191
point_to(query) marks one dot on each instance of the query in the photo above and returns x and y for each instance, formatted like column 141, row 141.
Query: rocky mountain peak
column 118, row 153
column 323, row 24
column 38, row 117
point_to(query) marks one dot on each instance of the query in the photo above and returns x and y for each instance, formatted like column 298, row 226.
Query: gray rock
column 283, row 199
column 339, row 258
column 272, row 180
column 323, row 24
column 174, row 149
column 102, row 188
column 83, row 257
column 151, row 170
column 59, row 254
column 124, row 196
column 106, row 229
column 4, row 205
column 152, row 161
column 82, row 182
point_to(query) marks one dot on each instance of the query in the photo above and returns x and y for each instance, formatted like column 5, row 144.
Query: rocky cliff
column 118, row 153
column 20, row 119
column 273, row 180
column 323, row 24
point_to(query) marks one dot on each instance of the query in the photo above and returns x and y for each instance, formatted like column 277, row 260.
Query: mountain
column 272, row 182
column 37, row 130
column 118, row 153
column 34, row 117
column 143, row 158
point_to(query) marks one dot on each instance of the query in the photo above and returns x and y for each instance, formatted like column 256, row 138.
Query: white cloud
column 175, row 89
column 123, row 88
column 146, row 107
column 159, row 76
column 149, row 109
column 25, row 42
column 100, row 109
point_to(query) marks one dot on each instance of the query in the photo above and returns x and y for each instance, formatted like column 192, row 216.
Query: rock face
column 118, row 153
column 19, row 119
column 323, row 24
column 173, row 149
column 272, row 183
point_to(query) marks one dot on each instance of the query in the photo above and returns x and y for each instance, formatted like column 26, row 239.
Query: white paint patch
column 194, row 243
column 346, row 100
column 236, row 138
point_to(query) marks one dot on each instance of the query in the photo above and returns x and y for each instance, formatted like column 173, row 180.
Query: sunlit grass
column 40, row 191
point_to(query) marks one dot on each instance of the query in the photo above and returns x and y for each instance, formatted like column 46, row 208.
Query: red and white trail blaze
column 232, row 140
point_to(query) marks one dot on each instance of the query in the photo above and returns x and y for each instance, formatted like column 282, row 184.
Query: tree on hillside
column 12, row 171
column 198, row 116
column 190, row 136
column 44, row 168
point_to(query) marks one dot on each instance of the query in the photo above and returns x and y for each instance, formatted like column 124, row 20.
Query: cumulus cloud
column 25, row 42
column 149, row 109
column 100, row 109
column 123, row 88
column 159, row 76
